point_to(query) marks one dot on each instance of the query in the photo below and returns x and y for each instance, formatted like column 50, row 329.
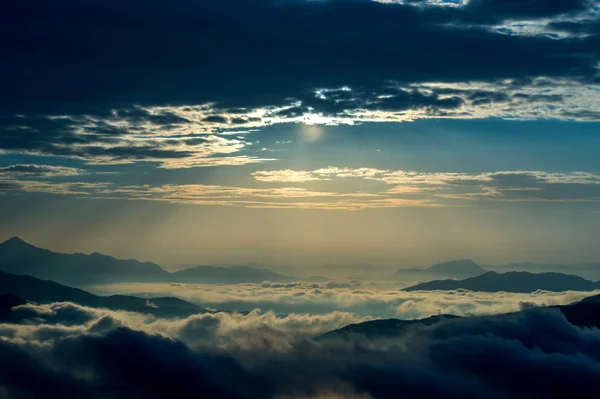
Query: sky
column 291, row 132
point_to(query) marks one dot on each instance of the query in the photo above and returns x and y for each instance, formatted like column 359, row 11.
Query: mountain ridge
column 517, row 282
column 19, row 257
column 455, row 268
column 46, row 291
column 584, row 313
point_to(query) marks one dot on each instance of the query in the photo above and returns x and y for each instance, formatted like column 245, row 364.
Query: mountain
column 228, row 275
column 520, row 282
column 585, row 313
column 7, row 302
column 44, row 291
column 452, row 269
column 19, row 257
column 582, row 314
column 381, row 328
column 590, row 271
column 463, row 266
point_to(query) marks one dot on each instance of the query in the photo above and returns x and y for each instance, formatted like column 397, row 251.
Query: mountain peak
column 16, row 241
column 461, row 266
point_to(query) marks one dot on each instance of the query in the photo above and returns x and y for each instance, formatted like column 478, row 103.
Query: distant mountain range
column 45, row 291
column 585, row 313
column 20, row 257
column 387, row 328
column 590, row 271
column 519, row 282
column 460, row 269
column 453, row 269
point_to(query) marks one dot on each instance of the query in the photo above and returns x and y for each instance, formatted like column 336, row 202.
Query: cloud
column 535, row 353
column 202, row 194
column 123, row 137
column 366, row 299
column 31, row 170
column 40, row 323
column 168, row 94
column 173, row 69
column 518, row 8
column 519, row 185
column 410, row 188
column 68, row 188
column 284, row 176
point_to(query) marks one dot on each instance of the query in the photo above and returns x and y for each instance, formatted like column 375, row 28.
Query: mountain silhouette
column 387, row 328
column 7, row 302
column 518, row 282
column 45, row 291
column 590, row 271
column 453, row 269
column 585, row 313
column 19, row 257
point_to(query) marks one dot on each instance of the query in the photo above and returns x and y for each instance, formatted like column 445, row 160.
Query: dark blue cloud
column 532, row 354
column 79, row 58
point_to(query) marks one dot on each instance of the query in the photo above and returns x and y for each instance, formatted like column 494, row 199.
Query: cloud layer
column 397, row 188
column 73, row 351
column 363, row 299
column 99, row 83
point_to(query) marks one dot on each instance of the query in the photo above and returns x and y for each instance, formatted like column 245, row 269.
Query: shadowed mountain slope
column 19, row 257
column 44, row 291
column 585, row 313
column 453, row 269
column 519, row 282
column 382, row 328
column 9, row 301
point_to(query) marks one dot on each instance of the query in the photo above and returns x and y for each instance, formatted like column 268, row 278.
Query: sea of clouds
column 66, row 350
column 364, row 299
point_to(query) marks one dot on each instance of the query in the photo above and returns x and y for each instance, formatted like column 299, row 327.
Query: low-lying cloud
column 363, row 299
column 71, row 351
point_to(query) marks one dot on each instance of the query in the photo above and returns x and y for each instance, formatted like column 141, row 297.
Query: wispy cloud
column 408, row 189
column 285, row 176
column 519, row 185
column 35, row 170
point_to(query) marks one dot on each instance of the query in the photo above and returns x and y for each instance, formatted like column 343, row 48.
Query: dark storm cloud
column 107, row 82
column 74, row 58
column 533, row 354
column 215, row 119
